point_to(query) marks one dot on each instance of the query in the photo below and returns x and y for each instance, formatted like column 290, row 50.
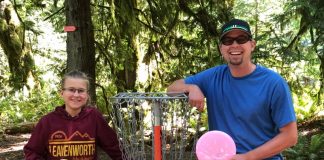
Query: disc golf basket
column 155, row 126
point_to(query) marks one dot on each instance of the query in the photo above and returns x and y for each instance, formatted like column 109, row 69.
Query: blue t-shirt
column 251, row 109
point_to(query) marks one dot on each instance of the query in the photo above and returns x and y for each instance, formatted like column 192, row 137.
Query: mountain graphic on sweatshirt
column 77, row 145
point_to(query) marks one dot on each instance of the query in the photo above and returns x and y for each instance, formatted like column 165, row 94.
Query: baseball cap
column 236, row 24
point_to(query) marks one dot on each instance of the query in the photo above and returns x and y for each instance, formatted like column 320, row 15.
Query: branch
column 149, row 27
column 106, row 56
column 23, row 24
column 104, row 95
column 50, row 16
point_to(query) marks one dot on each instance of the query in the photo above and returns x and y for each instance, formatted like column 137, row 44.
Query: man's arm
column 286, row 138
column 196, row 97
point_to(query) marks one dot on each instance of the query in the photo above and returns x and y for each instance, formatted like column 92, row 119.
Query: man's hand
column 196, row 97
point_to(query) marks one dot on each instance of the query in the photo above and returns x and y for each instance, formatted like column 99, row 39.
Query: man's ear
column 219, row 48
column 253, row 45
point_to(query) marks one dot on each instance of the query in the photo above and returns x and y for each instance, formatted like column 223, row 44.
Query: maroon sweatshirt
column 60, row 136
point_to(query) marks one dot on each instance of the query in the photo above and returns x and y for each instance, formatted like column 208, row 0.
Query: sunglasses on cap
column 230, row 40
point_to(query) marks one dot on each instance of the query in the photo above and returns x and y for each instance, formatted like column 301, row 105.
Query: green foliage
column 307, row 149
column 103, row 94
column 20, row 107
column 306, row 108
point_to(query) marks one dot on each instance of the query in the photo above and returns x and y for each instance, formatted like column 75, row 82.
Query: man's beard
column 235, row 61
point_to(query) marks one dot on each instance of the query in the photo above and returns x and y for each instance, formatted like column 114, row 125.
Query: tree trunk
column 126, row 46
column 26, row 127
column 12, row 41
column 126, row 77
column 80, row 43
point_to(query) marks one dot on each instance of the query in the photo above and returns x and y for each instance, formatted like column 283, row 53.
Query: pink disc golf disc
column 215, row 145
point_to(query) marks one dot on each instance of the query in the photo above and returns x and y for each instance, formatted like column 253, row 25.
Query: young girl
column 73, row 130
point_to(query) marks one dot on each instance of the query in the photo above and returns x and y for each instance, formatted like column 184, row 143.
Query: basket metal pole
column 157, row 131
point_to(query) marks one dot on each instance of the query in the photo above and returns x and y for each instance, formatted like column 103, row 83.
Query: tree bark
column 12, row 41
column 26, row 127
column 126, row 46
column 80, row 43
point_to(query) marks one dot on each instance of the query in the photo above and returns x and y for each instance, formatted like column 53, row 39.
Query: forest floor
column 11, row 145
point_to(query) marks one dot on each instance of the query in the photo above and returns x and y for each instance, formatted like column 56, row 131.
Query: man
column 249, row 102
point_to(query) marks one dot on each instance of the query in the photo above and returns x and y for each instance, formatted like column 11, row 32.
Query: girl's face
column 75, row 94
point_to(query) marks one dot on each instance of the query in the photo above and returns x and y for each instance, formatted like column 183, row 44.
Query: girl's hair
column 75, row 74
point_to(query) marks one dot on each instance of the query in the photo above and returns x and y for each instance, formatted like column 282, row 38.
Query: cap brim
column 234, row 30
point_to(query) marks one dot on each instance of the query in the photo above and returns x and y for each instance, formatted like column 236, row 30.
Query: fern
column 307, row 149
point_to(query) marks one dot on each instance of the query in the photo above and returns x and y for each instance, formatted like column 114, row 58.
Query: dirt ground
column 11, row 146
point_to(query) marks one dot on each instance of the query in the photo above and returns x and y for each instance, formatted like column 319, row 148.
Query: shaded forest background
column 144, row 45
